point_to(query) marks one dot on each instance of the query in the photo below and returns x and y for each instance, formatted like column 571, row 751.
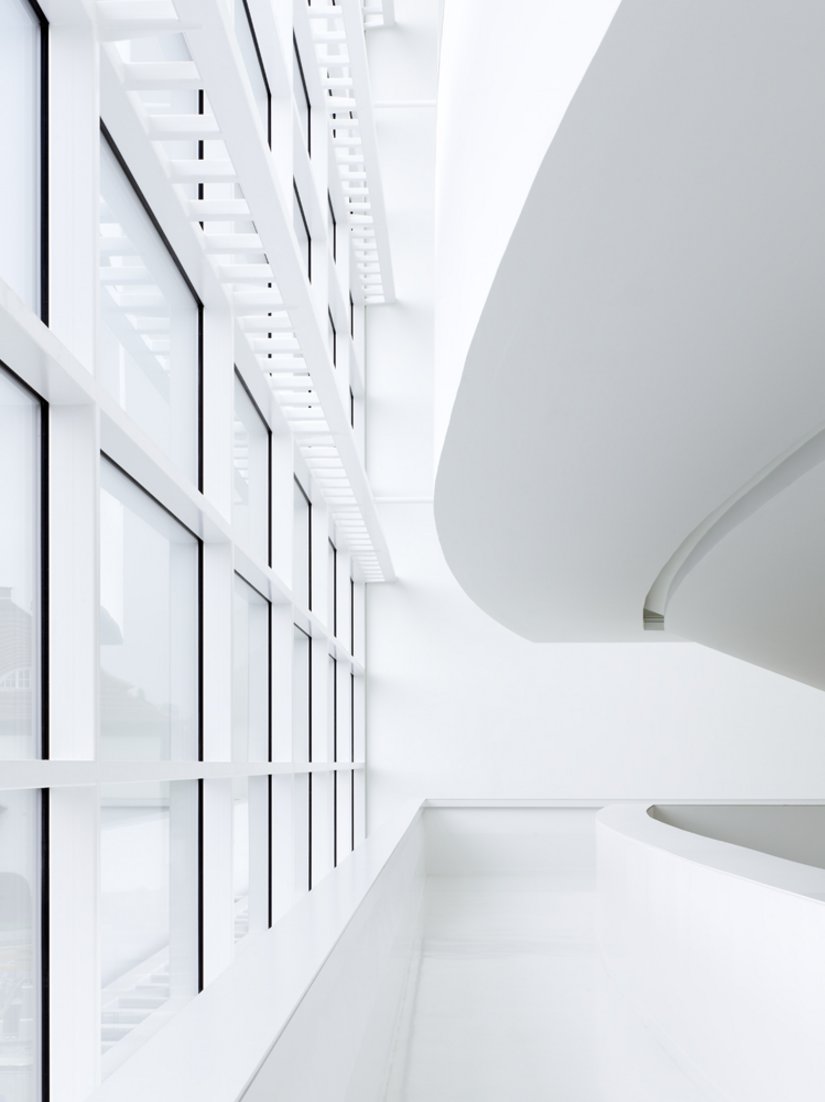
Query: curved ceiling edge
column 769, row 482
column 650, row 339
column 479, row 197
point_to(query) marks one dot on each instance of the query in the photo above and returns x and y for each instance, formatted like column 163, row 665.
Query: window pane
column 250, row 458
column 148, row 910
column 148, row 627
column 301, row 95
column 301, row 696
column 250, row 674
column 332, row 588
column 148, row 336
column 301, row 550
column 20, row 1014
column 20, row 644
column 252, row 64
column 20, row 184
column 302, row 233
column 250, row 855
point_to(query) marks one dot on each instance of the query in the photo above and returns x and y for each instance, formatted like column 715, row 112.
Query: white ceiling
column 655, row 334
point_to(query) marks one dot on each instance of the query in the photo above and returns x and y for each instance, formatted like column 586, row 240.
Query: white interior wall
column 459, row 707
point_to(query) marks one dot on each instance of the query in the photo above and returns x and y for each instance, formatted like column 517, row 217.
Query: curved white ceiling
column 655, row 333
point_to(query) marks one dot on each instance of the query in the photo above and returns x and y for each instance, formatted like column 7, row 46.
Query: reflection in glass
column 19, row 938
column 148, row 910
column 302, row 549
column 301, row 695
column 20, row 429
column 250, row 481
column 253, row 64
column 250, row 855
column 148, row 627
column 148, row 336
column 250, row 674
column 20, row 127
column 332, row 589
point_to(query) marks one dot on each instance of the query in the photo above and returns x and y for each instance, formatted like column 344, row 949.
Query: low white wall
column 289, row 1018
column 722, row 951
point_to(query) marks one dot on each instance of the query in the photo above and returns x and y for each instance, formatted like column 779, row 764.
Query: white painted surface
column 311, row 984
column 496, row 130
column 461, row 708
column 509, row 999
column 721, row 950
column 653, row 337
column 758, row 591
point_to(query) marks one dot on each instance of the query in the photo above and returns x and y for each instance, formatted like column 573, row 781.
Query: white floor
column 509, row 1001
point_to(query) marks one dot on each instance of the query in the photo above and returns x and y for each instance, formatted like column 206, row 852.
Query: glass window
column 250, row 674
column 332, row 227
column 21, row 425
column 21, row 182
column 250, row 855
column 302, row 232
column 352, row 617
column 332, row 589
column 301, row 95
column 302, row 549
column 254, row 65
column 149, row 334
column 148, row 909
column 332, row 338
column 20, row 982
column 302, row 696
column 250, row 481
column 149, row 627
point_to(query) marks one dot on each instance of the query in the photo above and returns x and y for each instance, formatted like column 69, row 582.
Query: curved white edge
column 491, row 138
column 721, row 952
column 214, row 1048
column 635, row 823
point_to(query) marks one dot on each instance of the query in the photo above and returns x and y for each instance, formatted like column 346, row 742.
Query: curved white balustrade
column 720, row 947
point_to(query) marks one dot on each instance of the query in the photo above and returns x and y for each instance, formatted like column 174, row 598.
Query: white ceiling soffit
column 654, row 336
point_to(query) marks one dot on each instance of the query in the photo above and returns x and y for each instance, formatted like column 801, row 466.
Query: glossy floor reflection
column 509, row 1000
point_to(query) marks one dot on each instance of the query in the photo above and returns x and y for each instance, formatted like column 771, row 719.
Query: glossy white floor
column 508, row 998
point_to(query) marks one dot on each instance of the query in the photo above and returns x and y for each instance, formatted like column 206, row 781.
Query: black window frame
column 334, row 234
column 124, row 166
column 268, row 428
column 262, row 67
column 308, row 500
column 42, row 588
column 307, row 100
column 269, row 740
column 301, row 211
column 334, row 337
column 104, row 455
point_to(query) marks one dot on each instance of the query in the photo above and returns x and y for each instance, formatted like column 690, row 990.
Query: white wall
column 507, row 75
column 460, row 707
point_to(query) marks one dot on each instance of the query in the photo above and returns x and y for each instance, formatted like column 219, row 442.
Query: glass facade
column 157, row 634
column 20, row 552
column 21, row 1023
column 21, row 130
column 250, row 475
column 149, row 336
column 149, row 627
column 148, row 910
